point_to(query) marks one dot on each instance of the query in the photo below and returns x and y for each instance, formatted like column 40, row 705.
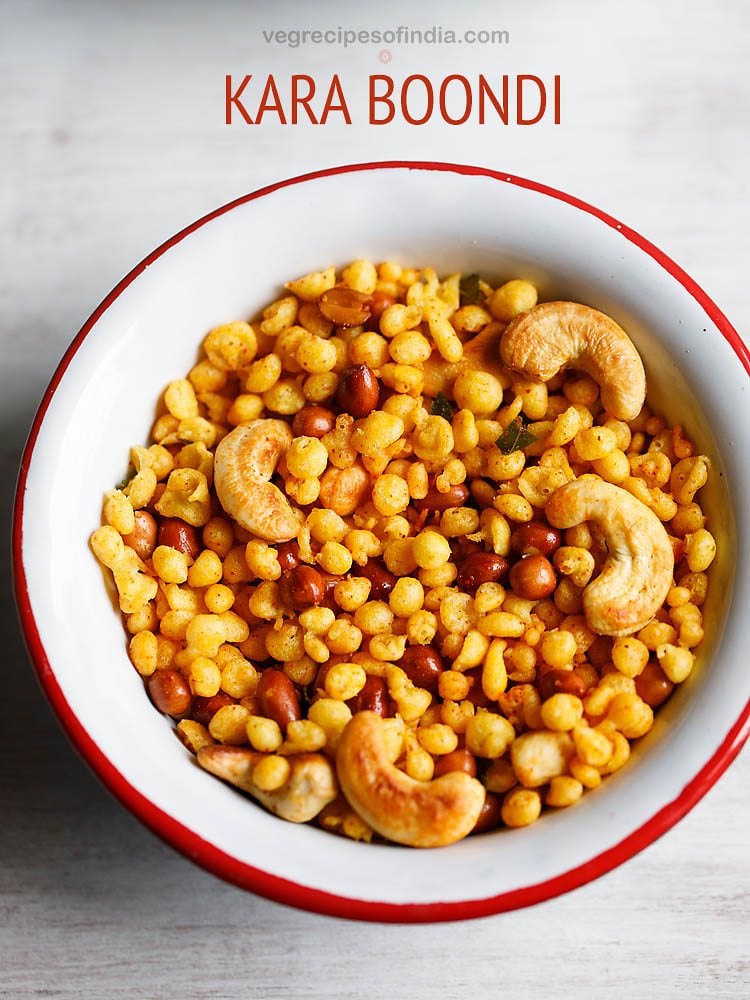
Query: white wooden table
column 113, row 138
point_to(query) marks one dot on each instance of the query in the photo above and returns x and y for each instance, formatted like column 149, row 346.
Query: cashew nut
column 243, row 465
column 547, row 338
column 417, row 813
column 638, row 570
column 311, row 785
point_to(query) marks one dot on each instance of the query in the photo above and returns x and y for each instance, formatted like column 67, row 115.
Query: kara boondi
column 455, row 99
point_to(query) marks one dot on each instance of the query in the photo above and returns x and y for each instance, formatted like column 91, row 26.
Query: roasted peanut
column 533, row 578
column 653, row 686
column 423, row 666
column 382, row 582
column 345, row 306
column 358, row 391
column 170, row 693
column 313, row 421
column 344, row 490
column 481, row 567
column 561, row 681
column 142, row 538
column 455, row 496
column 287, row 554
column 204, row 709
column 373, row 697
column 535, row 539
column 302, row 587
column 177, row 534
column 380, row 302
column 491, row 815
column 278, row 698
column 456, row 760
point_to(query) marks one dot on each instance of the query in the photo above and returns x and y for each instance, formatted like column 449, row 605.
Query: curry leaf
column 469, row 291
column 515, row 437
column 441, row 407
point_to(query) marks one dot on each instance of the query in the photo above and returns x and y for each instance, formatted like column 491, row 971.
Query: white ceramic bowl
column 148, row 330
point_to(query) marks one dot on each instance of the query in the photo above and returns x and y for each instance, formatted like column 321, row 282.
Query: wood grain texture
column 113, row 138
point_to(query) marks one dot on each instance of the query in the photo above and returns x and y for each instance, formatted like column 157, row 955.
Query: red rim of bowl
column 246, row 876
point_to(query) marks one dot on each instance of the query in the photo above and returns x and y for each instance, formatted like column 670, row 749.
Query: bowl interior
column 230, row 267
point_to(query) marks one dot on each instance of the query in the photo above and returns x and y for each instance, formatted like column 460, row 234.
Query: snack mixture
column 411, row 558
